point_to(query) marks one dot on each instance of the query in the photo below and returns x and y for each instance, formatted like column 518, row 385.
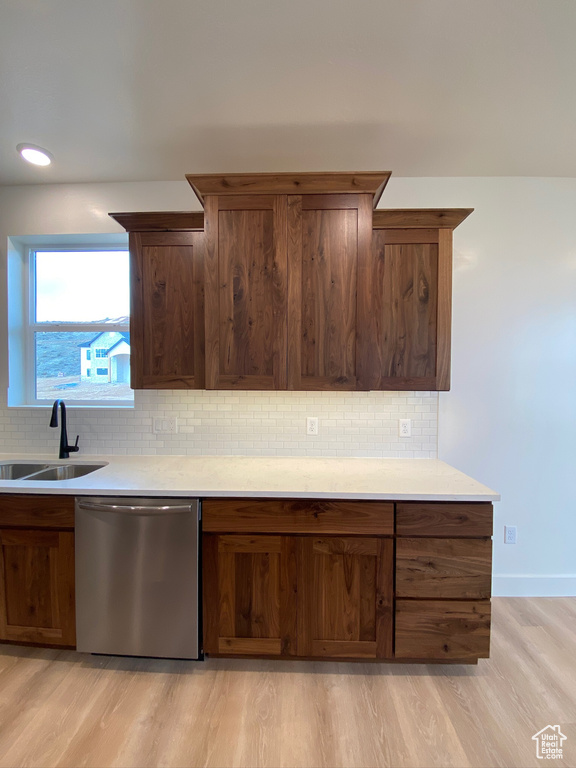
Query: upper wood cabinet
column 283, row 277
column 328, row 249
column 245, row 289
column 408, row 304
column 291, row 281
column 167, row 306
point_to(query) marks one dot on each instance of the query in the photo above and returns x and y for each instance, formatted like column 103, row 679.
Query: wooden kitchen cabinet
column 345, row 597
column 250, row 595
column 246, row 291
column 37, row 570
column 410, row 299
column 166, row 300
column 337, row 579
column 329, row 240
column 286, row 278
column 443, row 580
column 306, row 595
column 291, row 281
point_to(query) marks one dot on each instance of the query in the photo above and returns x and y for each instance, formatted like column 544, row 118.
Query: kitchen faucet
column 65, row 449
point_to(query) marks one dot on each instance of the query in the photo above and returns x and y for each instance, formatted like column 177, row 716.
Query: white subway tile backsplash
column 251, row 423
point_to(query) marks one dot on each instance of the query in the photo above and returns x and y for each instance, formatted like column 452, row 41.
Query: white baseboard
column 529, row 585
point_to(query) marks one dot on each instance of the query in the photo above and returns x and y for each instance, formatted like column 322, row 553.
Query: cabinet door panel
column 409, row 307
column 249, row 589
column 245, row 292
column 345, row 601
column 256, row 597
column 328, row 243
column 167, row 310
column 329, row 256
column 246, row 320
column 37, row 586
column 405, row 280
column 250, row 595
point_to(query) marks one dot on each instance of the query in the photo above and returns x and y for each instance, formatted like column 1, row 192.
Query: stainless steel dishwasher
column 137, row 579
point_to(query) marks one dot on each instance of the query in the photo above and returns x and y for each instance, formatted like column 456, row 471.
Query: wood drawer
column 453, row 568
column 442, row 629
column 298, row 516
column 444, row 519
column 36, row 511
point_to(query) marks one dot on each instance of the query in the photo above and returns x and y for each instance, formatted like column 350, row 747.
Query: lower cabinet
column 346, row 597
column 298, row 596
column 249, row 594
column 37, row 570
column 379, row 595
column 443, row 581
column 295, row 593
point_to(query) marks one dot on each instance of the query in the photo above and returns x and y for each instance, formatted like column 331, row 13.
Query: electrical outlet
column 312, row 425
column 509, row 534
column 404, row 427
column 166, row 426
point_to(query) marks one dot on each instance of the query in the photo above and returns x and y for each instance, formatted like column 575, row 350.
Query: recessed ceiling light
column 35, row 155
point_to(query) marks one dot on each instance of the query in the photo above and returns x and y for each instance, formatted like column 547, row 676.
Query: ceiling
column 129, row 90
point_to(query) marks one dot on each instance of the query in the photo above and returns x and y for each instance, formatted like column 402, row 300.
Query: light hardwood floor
column 61, row 708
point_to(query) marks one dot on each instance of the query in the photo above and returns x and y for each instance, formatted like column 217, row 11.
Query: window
column 75, row 306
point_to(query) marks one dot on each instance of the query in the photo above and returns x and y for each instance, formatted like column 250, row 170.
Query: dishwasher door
column 137, row 577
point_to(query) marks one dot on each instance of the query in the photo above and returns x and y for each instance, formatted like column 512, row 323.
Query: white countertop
column 275, row 477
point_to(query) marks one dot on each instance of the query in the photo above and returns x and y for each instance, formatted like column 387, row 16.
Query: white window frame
column 22, row 317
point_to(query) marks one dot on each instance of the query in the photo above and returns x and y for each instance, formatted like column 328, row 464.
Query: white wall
column 510, row 416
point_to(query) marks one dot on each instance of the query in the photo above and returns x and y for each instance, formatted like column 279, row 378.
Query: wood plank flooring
column 61, row 708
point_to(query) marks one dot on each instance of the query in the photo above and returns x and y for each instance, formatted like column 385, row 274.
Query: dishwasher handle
column 128, row 509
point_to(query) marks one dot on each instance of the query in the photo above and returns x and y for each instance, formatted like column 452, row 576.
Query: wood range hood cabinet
column 291, row 281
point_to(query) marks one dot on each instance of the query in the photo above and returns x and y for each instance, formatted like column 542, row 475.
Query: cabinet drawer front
column 453, row 568
column 37, row 511
column 443, row 519
column 298, row 516
column 442, row 629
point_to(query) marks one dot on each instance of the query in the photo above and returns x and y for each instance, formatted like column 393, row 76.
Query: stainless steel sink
column 15, row 470
column 65, row 472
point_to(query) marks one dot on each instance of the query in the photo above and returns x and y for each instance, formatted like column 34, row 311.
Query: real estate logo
column 549, row 743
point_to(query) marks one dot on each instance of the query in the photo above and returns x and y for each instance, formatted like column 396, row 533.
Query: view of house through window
column 80, row 338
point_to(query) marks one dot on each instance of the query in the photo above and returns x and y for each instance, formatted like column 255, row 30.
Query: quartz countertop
column 247, row 476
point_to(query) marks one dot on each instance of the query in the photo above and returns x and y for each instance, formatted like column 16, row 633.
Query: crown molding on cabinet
column 372, row 183
column 160, row 221
column 419, row 218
